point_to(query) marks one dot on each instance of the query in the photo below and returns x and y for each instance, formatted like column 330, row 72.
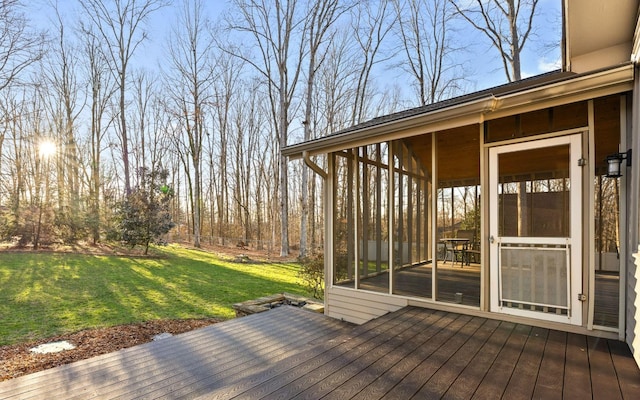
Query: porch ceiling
column 459, row 158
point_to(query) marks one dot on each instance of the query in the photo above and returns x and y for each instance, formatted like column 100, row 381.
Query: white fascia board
column 585, row 87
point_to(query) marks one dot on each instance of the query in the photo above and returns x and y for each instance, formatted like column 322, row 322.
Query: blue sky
column 535, row 59
column 481, row 59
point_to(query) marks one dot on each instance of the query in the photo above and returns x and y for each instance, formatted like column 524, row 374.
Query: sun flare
column 47, row 148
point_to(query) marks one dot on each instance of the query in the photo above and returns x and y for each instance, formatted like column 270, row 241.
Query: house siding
column 359, row 307
column 632, row 289
column 633, row 308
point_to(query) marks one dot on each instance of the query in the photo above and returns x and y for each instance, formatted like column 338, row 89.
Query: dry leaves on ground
column 17, row 360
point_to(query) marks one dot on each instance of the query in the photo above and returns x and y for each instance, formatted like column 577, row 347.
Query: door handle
column 492, row 239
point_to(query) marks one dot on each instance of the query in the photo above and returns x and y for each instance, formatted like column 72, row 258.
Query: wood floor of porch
column 289, row 353
column 460, row 283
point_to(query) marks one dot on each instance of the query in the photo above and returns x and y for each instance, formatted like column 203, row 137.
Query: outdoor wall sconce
column 614, row 162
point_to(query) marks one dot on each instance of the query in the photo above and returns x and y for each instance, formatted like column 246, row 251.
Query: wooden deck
column 288, row 353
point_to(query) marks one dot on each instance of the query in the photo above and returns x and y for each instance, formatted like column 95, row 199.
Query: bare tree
column 323, row 14
column 336, row 86
column 425, row 30
column 119, row 24
column 30, row 165
column 12, row 190
column 189, row 83
column 64, row 106
column 6, row 115
column 101, row 89
column 370, row 25
column 19, row 47
column 256, row 158
column 507, row 23
column 275, row 27
column 139, row 121
column 228, row 73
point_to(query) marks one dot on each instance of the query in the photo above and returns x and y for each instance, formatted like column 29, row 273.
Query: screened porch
column 400, row 206
column 408, row 213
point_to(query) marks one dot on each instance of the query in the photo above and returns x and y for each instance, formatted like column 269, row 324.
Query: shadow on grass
column 45, row 294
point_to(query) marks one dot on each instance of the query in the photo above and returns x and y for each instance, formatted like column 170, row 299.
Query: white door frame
column 573, row 242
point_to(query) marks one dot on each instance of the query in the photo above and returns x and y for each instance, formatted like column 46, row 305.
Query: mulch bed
column 17, row 360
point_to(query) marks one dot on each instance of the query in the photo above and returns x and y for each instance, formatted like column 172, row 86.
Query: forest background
column 100, row 99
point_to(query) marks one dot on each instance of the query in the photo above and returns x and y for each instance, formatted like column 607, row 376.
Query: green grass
column 47, row 294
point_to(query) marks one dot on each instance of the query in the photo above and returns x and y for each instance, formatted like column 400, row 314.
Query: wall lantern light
column 614, row 162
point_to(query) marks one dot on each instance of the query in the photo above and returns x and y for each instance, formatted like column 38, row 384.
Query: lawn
column 46, row 294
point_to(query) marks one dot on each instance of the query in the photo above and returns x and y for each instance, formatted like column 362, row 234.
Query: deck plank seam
column 356, row 383
column 390, row 343
column 407, row 385
column 204, row 334
column 450, row 370
column 279, row 372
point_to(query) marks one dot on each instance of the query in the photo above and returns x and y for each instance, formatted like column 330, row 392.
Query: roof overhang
column 474, row 111
column 598, row 33
column 580, row 88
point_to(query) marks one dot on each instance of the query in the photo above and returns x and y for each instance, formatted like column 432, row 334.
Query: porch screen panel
column 373, row 244
column 401, row 211
column 343, row 224
column 458, row 211
column 534, row 193
column 411, row 269
column 608, row 235
column 534, row 277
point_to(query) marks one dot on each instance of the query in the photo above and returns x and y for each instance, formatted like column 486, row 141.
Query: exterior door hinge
column 582, row 162
column 582, row 297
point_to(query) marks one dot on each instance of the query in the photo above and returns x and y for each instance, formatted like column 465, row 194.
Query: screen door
column 535, row 229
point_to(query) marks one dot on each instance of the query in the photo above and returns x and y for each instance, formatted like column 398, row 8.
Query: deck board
column 289, row 353
column 500, row 371
column 280, row 374
column 427, row 343
column 355, row 364
column 450, row 340
column 626, row 369
column 381, row 347
column 108, row 366
column 526, row 371
column 549, row 383
column 375, row 371
column 299, row 380
column 440, row 382
column 224, row 369
column 472, row 376
column 604, row 381
column 577, row 377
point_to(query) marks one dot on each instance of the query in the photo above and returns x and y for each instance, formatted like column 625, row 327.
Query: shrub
column 312, row 274
column 144, row 215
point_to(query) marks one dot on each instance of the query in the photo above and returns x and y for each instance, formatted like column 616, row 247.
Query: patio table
column 452, row 246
